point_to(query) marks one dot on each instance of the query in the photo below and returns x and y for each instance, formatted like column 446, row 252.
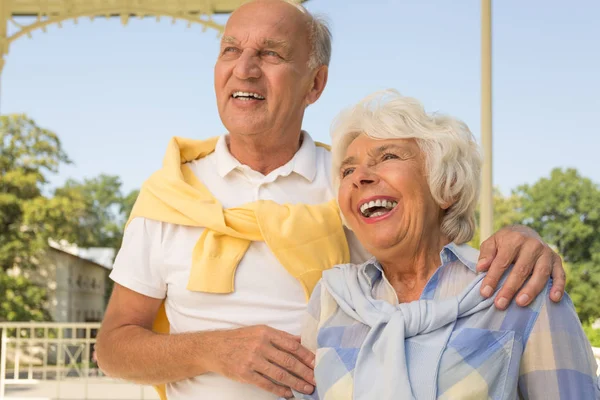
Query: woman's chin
column 376, row 244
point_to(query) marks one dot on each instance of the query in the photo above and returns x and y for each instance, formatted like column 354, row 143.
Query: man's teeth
column 247, row 96
column 369, row 209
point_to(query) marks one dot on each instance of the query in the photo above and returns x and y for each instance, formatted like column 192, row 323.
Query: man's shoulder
column 323, row 150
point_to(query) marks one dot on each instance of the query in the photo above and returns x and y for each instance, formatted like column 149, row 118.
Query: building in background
column 76, row 281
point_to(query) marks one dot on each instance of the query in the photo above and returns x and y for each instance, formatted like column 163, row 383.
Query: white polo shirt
column 155, row 260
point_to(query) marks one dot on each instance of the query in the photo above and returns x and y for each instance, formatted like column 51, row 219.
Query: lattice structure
column 46, row 12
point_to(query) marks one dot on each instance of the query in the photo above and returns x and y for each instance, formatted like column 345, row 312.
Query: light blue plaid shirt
column 535, row 352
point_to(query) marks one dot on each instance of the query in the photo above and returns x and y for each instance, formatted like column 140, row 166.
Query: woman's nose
column 364, row 176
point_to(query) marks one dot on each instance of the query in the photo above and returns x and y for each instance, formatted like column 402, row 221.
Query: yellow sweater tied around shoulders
column 305, row 239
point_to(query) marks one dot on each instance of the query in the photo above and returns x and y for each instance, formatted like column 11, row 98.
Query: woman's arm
column 558, row 362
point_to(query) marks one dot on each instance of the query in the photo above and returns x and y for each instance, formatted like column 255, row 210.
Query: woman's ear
column 447, row 204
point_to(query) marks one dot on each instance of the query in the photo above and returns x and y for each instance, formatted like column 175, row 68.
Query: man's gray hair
column 452, row 156
column 320, row 42
column 319, row 37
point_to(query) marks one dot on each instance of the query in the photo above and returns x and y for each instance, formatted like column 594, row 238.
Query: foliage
column 89, row 213
column 565, row 210
column 103, row 211
column 21, row 300
column 506, row 212
column 592, row 334
column 27, row 218
column 583, row 285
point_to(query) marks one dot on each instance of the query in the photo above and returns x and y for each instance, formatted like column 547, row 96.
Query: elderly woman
column 410, row 323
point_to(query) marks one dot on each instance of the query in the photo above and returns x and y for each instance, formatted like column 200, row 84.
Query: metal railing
column 59, row 352
column 33, row 352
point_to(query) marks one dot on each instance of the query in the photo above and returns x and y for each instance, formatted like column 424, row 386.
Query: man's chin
column 244, row 127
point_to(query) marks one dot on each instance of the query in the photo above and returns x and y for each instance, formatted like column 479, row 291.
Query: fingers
column 531, row 257
column 487, row 252
column 266, row 384
column 541, row 262
column 504, row 256
column 282, row 376
column 268, row 358
column 559, row 279
column 291, row 344
column 290, row 363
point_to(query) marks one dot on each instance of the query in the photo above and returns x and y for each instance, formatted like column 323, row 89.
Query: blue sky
column 115, row 95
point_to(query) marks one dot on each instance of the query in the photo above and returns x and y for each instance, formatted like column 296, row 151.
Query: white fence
column 33, row 353
column 62, row 354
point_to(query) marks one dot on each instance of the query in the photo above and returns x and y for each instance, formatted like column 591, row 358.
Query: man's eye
column 230, row 50
column 347, row 172
column 270, row 53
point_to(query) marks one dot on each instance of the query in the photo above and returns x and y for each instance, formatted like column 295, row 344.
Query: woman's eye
column 389, row 156
column 347, row 172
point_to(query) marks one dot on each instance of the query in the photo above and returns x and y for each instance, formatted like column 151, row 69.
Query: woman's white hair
column 452, row 156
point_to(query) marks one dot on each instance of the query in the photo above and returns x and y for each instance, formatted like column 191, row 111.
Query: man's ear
column 318, row 84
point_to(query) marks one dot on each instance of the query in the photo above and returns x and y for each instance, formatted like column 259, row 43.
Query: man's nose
column 247, row 66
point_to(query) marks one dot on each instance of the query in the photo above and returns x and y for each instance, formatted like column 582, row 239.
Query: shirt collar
column 463, row 252
column 305, row 159
column 303, row 163
column 450, row 253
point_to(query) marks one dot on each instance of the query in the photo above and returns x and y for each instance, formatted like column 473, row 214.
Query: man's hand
column 265, row 357
column 524, row 248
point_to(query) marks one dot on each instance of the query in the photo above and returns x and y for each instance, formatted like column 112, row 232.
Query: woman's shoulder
column 348, row 269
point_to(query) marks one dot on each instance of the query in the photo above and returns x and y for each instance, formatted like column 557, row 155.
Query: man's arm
column 523, row 247
column 128, row 349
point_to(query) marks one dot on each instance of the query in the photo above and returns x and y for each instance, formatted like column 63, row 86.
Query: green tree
column 507, row 211
column 89, row 213
column 103, row 215
column 583, row 285
column 592, row 334
column 21, row 300
column 27, row 154
column 565, row 210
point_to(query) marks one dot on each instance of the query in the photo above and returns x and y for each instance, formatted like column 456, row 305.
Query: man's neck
column 261, row 154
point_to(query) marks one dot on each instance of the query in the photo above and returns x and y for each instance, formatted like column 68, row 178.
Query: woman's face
column 384, row 194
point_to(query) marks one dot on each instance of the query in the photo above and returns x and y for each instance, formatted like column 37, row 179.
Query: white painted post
column 3, row 352
column 487, row 186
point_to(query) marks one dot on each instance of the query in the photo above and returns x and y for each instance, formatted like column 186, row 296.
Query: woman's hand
column 524, row 248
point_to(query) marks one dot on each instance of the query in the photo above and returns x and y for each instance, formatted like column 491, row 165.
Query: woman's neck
column 410, row 265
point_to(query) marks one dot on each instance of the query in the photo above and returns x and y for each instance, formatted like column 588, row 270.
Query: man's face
column 262, row 80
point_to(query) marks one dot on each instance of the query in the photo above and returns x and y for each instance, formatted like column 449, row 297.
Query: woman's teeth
column 376, row 208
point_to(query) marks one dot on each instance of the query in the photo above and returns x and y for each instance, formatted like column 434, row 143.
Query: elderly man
column 211, row 241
